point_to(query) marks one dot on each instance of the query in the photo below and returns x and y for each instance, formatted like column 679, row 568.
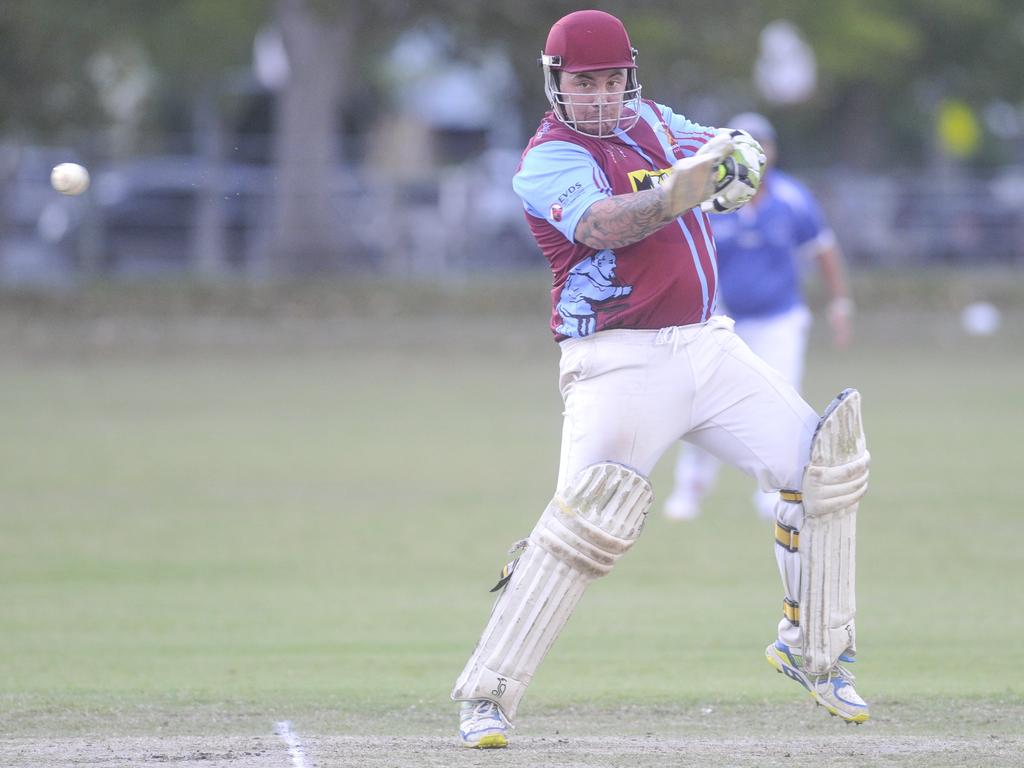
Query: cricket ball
column 69, row 179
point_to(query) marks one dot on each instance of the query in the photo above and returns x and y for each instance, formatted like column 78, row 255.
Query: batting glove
column 738, row 176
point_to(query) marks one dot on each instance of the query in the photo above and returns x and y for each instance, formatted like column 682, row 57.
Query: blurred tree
column 884, row 66
column 331, row 48
column 43, row 86
column 318, row 41
column 887, row 65
column 49, row 87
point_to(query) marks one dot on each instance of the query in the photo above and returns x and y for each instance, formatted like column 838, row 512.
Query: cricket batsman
column 617, row 190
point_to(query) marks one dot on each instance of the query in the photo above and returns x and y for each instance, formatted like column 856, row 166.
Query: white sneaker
column 833, row 690
column 482, row 725
column 681, row 508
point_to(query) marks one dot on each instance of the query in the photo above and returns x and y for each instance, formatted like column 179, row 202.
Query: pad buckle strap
column 792, row 497
column 505, row 576
column 787, row 537
column 791, row 610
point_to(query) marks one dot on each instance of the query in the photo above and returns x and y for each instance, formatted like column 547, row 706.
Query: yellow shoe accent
column 494, row 741
column 814, row 689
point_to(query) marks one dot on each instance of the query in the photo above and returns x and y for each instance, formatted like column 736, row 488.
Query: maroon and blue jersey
column 668, row 278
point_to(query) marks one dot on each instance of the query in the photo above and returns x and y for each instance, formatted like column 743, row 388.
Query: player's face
column 594, row 99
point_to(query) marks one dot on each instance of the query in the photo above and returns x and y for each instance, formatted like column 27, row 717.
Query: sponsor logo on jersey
column 645, row 179
column 570, row 192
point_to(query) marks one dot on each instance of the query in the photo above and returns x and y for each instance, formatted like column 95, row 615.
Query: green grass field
column 219, row 513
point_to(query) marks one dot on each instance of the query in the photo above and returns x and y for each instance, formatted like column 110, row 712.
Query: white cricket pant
column 631, row 394
column 779, row 340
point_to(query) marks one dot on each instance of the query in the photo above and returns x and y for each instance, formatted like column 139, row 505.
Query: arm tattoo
column 623, row 219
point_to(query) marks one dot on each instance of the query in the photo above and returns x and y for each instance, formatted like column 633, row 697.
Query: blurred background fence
column 144, row 218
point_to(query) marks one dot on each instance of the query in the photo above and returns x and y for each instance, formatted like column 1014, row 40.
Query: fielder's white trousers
column 779, row 340
column 631, row 394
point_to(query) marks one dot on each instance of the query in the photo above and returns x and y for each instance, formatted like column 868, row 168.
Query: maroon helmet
column 590, row 41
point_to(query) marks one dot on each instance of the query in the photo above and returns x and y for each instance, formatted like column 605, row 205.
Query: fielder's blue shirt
column 759, row 248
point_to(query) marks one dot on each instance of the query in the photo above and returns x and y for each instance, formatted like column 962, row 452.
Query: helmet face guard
column 591, row 41
column 577, row 110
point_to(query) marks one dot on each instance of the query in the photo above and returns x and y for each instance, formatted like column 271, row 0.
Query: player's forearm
column 840, row 308
column 626, row 219
column 623, row 219
column 830, row 259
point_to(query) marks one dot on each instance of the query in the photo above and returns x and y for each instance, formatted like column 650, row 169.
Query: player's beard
column 597, row 119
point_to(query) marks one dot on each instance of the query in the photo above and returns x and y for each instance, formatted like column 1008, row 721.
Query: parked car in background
column 149, row 212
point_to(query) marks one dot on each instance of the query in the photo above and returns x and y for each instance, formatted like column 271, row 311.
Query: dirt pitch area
column 953, row 734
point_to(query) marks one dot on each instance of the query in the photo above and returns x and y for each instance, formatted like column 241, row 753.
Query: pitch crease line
column 298, row 755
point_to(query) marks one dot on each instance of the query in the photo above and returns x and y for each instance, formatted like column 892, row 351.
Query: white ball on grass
column 980, row 319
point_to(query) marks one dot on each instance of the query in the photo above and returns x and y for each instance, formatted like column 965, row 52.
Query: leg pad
column 585, row 529
column 835, row 481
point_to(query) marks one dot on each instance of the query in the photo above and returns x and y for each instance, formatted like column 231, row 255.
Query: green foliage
column 882, row 63
column 196, row 39
column 47, row 49
column 859, row 42
column 43, row 83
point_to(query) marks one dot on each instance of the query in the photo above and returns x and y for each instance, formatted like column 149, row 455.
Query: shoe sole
column 793, row 674
column 493, row 741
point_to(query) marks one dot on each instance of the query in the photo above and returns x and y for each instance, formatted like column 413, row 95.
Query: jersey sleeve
column 558, row 181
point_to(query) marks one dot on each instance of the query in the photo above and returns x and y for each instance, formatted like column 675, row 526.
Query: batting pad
column 834, row 482
column 583, row 532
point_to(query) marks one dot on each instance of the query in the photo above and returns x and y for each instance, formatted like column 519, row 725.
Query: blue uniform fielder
column 759, row 249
